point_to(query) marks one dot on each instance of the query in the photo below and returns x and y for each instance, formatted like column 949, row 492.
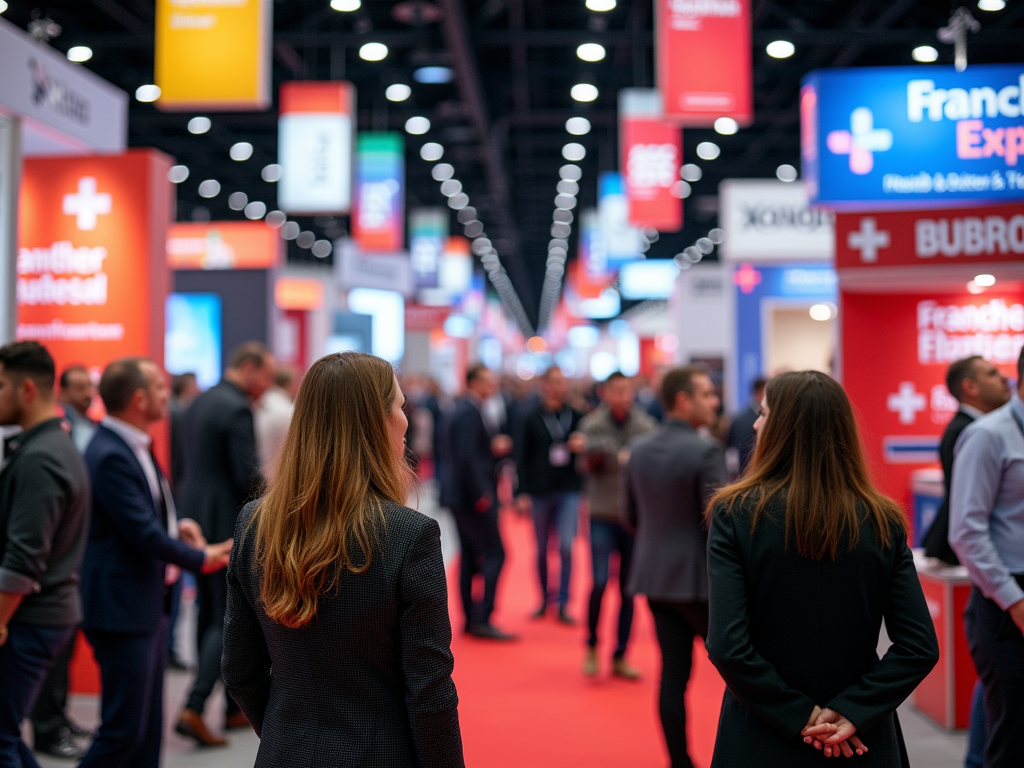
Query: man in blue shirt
column 986, row 531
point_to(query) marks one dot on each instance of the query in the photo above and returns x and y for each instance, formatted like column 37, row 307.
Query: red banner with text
column 652, row 152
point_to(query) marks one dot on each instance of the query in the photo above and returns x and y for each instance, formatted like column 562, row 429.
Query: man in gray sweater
column 608, row 432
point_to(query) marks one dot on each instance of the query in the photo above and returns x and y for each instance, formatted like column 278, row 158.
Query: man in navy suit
column 136, row 549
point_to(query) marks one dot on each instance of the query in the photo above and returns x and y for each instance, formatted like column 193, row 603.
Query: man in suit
column 221, row 476
column 136, row 549
column 671, row 474
column 44, row 519
column 471, row 493
column 741, row 438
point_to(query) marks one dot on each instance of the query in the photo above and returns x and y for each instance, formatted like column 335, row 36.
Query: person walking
column 546, row 446
column 805, row 560
column 337, row 637
column 272, row 416
column 608, row 431
column 741, row 437
column 221, row 476
column 670, row 475
column 137, row 546
column 44, row 519
column 75, row 397
column 986, row 530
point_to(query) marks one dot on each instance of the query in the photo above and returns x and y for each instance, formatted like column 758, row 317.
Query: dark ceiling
column 502, row 121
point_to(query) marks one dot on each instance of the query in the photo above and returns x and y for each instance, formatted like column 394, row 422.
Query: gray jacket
column 671, row 475
column 599, row 464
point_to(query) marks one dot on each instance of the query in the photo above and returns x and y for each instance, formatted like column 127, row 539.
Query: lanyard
column 561, row 426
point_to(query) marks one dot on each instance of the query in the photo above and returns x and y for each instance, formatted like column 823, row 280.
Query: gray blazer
column 671, row 475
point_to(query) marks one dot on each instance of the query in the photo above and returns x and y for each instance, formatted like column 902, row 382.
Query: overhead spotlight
column 717, row 236
column 276, row 219
column 573, row 151
column 823, row 311
column 708, row 150
column 346, row 6
column 584, row 92
column 241, row 151
column 199, row 125
column 451, row 187
column 305, row 239
column 691, row 172
column 177, row 174
column 147, row 93
column 372, row 52
column 467, row 215
column 786, row 172
column 474, row 228
column 481, row 245
column 431, row 151
column 559, row 242
column 290, row 230
column 79, row 53
column 570, row 173
column 780, row 49
column 924, row 54
column 577, row 126
column 458, row 202
column 973, row 287
column 991, row 5
column 417, row 125
column 652, row 234
column 559, row 229
column 704, row 245
column 562, row 215
column 442, row 172
column 681, row 189
column 568, row 202
column 271, row 173
column 692, row 254
column 591, row 52
column 433, row 75
column 3, row 5
column 237, row 201
column 726, row 126
column 568, row 188
column 209, row 188
column 322, row 248
column 398, row 92
column 600, row 6
column 985, row 281
column 255, row 210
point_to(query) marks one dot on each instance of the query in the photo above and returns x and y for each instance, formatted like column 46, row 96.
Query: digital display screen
column 193, row 336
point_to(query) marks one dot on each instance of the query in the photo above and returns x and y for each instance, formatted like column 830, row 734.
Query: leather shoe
column 236, row 720
column 191, row 725
column 590, row 663
column 540, row 613
column 625, row 670
column 490, row 632
column 565, row 618
column 61, row 744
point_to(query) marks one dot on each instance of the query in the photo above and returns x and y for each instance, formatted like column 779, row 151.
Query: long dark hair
column 809, row 454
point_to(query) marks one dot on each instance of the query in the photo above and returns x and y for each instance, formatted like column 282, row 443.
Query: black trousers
column 483, row 554
column 677, row 624
column 997, row 647
column 48, row 714
column 212, row 594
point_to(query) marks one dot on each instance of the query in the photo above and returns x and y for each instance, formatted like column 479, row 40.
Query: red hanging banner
column 704, row 60
column 650, row 157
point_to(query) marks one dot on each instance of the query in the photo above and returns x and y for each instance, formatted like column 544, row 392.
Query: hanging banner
column 650, row 156
column 593, row 275
column 705, row 70
column 621, row 241
column 428, row 230
column 213, row 54
column 315, row 147
column 772, row 221
column 377, row 222
column 223, row 245
column 913, row 137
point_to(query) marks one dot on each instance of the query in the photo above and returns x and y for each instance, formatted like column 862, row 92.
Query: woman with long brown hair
column 805, row 560
column 336, row 640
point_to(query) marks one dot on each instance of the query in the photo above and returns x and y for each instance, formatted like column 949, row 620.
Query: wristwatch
column 3, row 635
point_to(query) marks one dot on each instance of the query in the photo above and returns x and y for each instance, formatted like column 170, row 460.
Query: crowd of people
column 322, row 598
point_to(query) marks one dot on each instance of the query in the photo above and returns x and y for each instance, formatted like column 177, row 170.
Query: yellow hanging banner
column 213, row 54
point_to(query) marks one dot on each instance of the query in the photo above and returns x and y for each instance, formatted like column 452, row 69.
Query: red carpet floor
column 527, row 705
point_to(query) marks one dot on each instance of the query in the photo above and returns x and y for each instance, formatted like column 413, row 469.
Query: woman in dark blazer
column 805, row 560
column 336, row 640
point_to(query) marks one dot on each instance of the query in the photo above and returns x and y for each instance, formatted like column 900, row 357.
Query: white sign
column 387, row 272
column 648, row 279
column 41, row 86
column 771, row 221
column 316, row 158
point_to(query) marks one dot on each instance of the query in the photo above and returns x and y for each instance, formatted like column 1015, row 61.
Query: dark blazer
column 532, row 453
column 788, row 633
column 368, row 682
column 123, row 586
column 936, row 540
column 741, row 435
column 221, row 466
column 671, row 475
column 470, row 467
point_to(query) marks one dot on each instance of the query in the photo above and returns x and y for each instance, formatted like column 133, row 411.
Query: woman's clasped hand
column 833, row 734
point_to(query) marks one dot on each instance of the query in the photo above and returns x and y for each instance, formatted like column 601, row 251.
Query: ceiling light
column 255, row 210
column 3, row 5
column 398, row 92
column 681, row 189
column 573, row 151
column 431, row 151
column 562, row 215
column 241, row 151
column 209, row 188
column 458, row 202
column 177, row 174
column 726, row 126
column 467, row 215
column 558, row 229
column 372, row 52
column 570, row 173
column 237, row 201
column 474, row 228
column 290, row 230
column 991, row 5
column 600, row 6
column 433, row 75
column 584, row 92
column 565, row 201
column 79, row 53
column 823, row 311
column 577, row 126
column 451, row 187
column 442, row 172
column 417, row 125
column 591, row 52
column 786, row 172
column 985, row 281
column 480, row 245
column 708, row 150
column 305, row 239
column 780, row 49
column 925, row 54
column 271, row 172
column 704, row 245
column 568, row 188
column 322, row 248
column 717, row 236
column 691, row 172
column 198, row 125
column 276, row 218
column 147, row 93
column 346, row 6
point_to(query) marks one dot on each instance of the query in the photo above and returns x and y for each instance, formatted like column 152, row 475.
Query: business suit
column 221, row 476
column 368, row 682
column 936, row 540
column 788, row 633
column 671, row 475
column 125, row 601
column 471, row 475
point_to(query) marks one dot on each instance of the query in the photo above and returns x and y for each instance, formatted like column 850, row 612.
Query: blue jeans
column 976, row 729
column 607, row 537
column 25, row 660
column 555, row 512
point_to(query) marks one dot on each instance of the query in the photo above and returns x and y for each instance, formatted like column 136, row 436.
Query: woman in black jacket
column 805, row 559
column 336, row 640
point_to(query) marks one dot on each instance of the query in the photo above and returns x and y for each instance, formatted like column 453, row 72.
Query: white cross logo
column 907, row 402
column 861, row 141
column 868, row 239
column 87, row 204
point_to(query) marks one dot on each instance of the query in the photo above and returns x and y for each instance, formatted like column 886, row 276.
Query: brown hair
column 120, row 381
column 337, row 467
column 809, row 455
column 255, row 352
column 957, row 372
column 679, row 380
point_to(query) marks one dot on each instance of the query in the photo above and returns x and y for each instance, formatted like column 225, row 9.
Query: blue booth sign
column 913, row 137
